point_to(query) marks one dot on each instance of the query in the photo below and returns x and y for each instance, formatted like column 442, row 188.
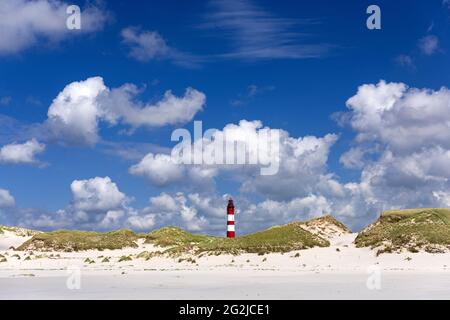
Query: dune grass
column 125, row 258
column 411, row 229
column 276, row 239
column 174, row 236
column 6, row 228
column 174, row 240
column 64, row 240
column 19, row 231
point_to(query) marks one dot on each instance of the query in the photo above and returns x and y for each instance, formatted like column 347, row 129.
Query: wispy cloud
column 252, row 91
column 32, row 100
column 406, row 61
column 4, row 101
column 15, row 130
column 259, row 34
column 429, row 44
column 131, row 150
column 147, row 45
column 446, row 3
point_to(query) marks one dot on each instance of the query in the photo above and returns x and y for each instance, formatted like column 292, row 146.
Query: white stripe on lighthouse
column 230, row 227
column 231, row 217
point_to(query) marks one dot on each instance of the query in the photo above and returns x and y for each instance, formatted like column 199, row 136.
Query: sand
column 340, row 271
column 10, row 239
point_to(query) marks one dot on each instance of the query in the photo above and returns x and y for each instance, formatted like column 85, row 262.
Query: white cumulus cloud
column 96, row 194
column 75, row 113
column 178, row 210
column 141, row 222
column 407, row 133
column 21, row 152
column 97, row 204
column 160, row 169
column 6, row 199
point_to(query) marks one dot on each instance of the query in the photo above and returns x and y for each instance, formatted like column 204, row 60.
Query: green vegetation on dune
column 411, row 229
column 442, row 214
column 64, row 240
column 173, row 236
column 292, row 236
column 125, row 258
column 276, row 239
column 18, row 231
column 5, row 228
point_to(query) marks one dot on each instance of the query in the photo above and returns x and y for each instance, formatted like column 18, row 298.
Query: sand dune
column 338, row 271
column 11, row 239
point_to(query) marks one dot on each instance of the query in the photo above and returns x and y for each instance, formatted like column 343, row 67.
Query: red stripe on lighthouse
column 230, row 219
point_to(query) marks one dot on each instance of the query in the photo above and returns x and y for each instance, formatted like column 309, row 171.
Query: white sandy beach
column 340, row 271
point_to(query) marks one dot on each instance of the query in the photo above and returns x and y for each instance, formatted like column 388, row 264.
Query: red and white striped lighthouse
column 230, row 220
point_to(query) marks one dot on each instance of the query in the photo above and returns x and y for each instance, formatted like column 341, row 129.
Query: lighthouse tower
column 230, row 220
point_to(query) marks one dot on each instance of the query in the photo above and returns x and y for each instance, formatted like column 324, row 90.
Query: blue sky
column 290, row 65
